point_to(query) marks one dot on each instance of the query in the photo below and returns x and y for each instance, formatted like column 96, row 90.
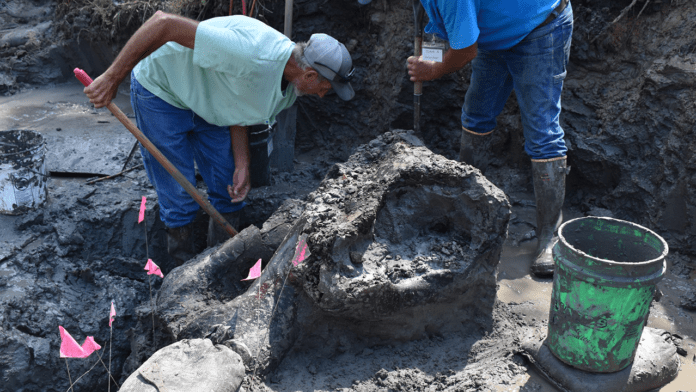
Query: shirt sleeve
column 454, row 21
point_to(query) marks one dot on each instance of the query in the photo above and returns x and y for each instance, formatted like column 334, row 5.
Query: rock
column 688, row 300
column 655, row 364
column 430, row 232
column 242, row 350
column 21, row 36
column 196, row 287
column 188, row 365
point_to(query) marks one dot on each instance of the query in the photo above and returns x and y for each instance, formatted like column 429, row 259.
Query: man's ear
column 310, row 74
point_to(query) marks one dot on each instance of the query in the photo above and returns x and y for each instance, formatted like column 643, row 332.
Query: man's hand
column 102, row 90
column 421, row 70
column 453, row 60
column 240, row 185
column 240, row 149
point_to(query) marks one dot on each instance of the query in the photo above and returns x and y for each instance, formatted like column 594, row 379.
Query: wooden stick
column 251, row 10
column 287, row 28
column 166, row 164
column 113, row 175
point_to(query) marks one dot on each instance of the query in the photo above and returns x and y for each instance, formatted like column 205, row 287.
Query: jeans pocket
column 143, row 93
column 149, row 102
column 560, row 77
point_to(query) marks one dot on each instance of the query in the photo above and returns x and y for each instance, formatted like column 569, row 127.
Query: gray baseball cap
column 331, row 59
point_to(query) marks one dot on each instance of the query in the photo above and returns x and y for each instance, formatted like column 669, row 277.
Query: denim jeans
column 182, row 136
column 535, row 69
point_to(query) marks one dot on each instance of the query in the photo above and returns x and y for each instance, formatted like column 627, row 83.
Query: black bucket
column 260, row 148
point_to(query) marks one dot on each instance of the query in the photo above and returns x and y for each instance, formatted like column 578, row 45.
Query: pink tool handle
column 82, row 77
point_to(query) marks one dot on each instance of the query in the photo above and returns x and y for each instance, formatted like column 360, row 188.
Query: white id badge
column 433, row 51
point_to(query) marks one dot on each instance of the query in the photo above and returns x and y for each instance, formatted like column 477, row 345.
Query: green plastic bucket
column 605, row 279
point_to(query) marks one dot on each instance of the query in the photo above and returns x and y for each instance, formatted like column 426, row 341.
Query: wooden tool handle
column 186, row 184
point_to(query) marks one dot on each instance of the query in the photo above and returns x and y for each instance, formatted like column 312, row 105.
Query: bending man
column 195, row 87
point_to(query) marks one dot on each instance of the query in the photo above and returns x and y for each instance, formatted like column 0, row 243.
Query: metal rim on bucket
column 665, row 247
column 35, row 135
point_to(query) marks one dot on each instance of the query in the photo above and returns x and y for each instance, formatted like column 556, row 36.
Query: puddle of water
column 516, row 286
column 686, row 380
column 31, row 114
column 668, row 315
column 513, row 276
column 514, row 385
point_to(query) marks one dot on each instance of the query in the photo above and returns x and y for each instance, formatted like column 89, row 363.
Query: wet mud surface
column 628, row 115
column 63, row 265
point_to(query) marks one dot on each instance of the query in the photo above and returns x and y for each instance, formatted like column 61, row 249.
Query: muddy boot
column 471, row 149
column 180, row 244
column 216, row 234
column 549, row 190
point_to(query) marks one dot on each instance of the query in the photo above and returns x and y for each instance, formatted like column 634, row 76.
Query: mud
column 628, row 114
column 654, row 365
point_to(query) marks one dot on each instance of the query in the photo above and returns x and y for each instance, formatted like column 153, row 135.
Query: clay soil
column 628, row 115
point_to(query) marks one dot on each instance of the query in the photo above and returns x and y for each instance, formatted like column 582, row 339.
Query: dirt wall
column 628, row 103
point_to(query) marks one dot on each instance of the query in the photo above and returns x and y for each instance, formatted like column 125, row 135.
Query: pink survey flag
column 300, row 251
column 112, row 313
column 153, row 269
column 70, row 349
column 255, row 271
column 141, row 216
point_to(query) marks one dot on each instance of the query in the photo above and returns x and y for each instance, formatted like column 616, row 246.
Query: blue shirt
column 494, row 24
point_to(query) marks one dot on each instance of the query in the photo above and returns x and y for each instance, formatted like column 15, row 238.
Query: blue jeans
column 182, row 136
column 535, row 69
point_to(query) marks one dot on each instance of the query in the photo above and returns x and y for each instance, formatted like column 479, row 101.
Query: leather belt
column 556, row 11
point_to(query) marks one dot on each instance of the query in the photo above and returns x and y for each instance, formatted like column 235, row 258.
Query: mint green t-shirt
column 231, row 77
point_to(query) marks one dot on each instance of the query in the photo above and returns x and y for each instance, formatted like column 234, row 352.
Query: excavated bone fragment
column 396, row 242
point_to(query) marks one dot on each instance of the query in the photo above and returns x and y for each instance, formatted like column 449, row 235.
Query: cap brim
column 344, row 90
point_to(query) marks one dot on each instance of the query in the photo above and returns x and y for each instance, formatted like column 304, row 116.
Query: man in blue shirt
column 511, row 44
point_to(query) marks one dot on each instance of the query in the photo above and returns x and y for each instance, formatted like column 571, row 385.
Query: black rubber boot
column 216, row 234
column 180, row 243
column 549, row 190
column 471, row 149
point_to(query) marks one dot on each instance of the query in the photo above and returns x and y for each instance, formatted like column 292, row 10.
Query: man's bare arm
column 241, row 181
column 155, row 32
